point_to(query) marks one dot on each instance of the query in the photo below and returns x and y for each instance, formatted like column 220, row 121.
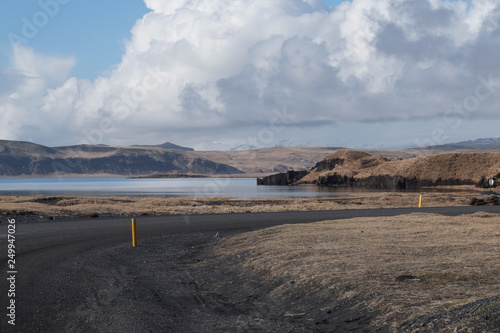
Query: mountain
column 484, row 142
column 166, row 145
column 483, row 145
column 269, row 160
column 19, row 158
column 23, row 148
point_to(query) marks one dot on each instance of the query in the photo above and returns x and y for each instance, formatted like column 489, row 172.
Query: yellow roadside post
column 134, row 233
column 420, row 201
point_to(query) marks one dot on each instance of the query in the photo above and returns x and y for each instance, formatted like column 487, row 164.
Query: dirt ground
column 48, row 207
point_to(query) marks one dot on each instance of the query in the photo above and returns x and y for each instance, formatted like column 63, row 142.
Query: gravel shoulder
column 161, row 286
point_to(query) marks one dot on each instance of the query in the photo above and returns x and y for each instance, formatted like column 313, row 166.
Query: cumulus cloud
column 222, row 69
column 24, row 86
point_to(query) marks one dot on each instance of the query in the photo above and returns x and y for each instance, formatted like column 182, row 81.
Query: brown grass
column 454, row 260
column 76, row 206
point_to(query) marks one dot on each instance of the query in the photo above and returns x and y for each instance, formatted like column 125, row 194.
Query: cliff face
column 358, row 169
column 23, row 158
column 286, row 178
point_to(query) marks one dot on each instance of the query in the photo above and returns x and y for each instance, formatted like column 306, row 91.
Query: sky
column 224, row 74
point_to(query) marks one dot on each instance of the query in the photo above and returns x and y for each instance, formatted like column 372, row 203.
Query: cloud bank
column 221, row 70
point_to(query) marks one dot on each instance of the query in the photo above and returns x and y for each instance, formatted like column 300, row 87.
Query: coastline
column 146, row 176
column 75, row 206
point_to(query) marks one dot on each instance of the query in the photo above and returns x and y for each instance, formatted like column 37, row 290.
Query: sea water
column 166, row 187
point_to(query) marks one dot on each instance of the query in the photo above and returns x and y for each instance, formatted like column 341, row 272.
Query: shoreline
column 49, row 207
column 151, row 176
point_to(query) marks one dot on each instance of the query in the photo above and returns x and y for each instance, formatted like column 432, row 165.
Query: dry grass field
column 64, row 206
column 403, row 267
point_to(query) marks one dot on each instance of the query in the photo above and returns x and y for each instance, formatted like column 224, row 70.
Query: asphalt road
column 40, row 246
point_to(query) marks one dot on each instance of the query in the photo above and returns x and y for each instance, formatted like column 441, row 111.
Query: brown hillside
column 349, row 163
column 356, row 168
column 461, row 166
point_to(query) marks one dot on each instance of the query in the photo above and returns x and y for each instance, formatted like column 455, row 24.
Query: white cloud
column 218, row 68
column 25, row 84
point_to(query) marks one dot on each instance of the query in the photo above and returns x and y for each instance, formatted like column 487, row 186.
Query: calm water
column 192, row 187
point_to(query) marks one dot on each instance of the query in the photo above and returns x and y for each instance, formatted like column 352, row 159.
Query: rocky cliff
column 358, row 169
column 286, row 178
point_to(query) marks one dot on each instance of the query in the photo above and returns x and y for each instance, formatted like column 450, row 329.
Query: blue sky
column 92, row 31
column 331, row 2
column 85, row 31
column 259, row 73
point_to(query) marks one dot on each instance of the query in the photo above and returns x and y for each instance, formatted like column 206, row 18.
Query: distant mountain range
column 480, row 145
column 166, row 145
column 18, row 158
column 485, row 142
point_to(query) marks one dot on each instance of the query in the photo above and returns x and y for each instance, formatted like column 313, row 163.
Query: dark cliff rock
column 328, row 164
column 380, row 182
column 286, row 178
column 485, row 182
column 386, row 182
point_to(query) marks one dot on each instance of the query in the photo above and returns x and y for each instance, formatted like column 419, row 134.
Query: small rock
column 89, row 216
column 405, row 277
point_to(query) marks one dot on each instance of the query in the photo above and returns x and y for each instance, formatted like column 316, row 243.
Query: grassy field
column 403, row 267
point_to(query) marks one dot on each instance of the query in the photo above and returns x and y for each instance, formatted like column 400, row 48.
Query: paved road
column 32, row 236
column 41, row 245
